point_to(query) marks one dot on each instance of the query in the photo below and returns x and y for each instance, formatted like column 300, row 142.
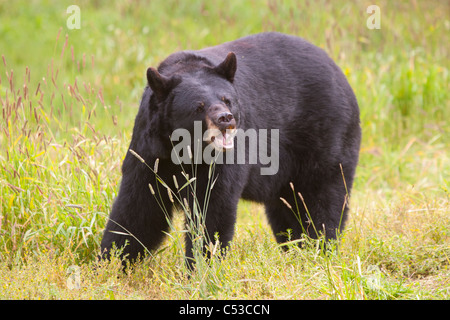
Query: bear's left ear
column 160, row 84
column 228, row 67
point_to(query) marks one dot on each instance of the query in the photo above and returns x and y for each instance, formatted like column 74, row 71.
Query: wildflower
column 286, row 203
column 151, row 189
column 137, row 156
column 169, row 192
column 175, row 181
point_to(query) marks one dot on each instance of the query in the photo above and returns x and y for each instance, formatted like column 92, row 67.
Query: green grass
column 69, row 98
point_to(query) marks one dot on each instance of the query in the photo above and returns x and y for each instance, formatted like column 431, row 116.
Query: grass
column 68, row 100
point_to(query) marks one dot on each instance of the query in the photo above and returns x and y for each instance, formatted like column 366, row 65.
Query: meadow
column 68, row 100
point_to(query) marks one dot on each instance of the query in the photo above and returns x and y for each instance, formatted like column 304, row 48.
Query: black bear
column 282, row 89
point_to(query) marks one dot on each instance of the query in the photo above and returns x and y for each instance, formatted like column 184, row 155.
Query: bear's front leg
column 137, row 223
column 202, row 235
column 217, row 221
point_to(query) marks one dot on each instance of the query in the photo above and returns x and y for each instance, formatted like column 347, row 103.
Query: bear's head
column 188, row 90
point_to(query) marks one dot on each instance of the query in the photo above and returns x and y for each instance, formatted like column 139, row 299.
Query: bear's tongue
column 226, row 142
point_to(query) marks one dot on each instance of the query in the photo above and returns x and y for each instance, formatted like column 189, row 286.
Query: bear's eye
column 200, row 107
column 227, row 102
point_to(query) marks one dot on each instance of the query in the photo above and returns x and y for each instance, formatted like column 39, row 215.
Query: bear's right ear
column 160, row 84
column 228, row 67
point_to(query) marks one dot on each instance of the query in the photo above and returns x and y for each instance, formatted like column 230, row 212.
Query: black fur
column 272, row 81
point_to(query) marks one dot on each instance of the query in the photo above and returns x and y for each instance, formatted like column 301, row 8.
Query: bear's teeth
column 228, row 141
column 225, row 141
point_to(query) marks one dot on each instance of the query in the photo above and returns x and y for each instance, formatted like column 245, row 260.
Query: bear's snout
column 226, row 120
column 222, row 118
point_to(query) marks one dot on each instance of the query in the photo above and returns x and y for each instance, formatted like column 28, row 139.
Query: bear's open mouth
column 223, row 140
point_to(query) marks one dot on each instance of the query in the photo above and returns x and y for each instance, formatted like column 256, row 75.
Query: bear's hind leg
column 316, row 212
column 284, row 220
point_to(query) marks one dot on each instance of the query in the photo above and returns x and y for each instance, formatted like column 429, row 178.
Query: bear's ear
column 228, row 67
column 160, row 84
